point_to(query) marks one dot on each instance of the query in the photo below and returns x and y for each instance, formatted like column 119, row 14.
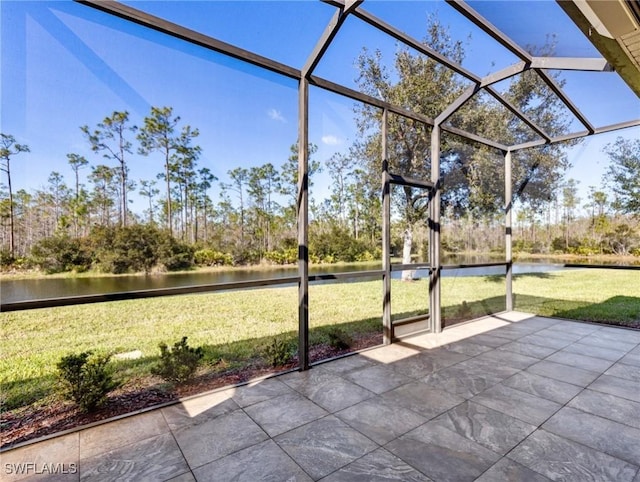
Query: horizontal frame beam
column 413, row 43
column 181, row 290
column 478, row 265
column 408, row 181
column 377, row 273
column 571, row 63
column 174, row 30
column 522, row 54
column 411, row 320
column 578, row 135
column 367, row 99
column 156, row 23
column 474, row 137
column 410, row 266
column 140, row 294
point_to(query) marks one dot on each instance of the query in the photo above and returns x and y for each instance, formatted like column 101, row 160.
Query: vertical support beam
column 434, row 235
column 303, row 223
column 508, row 211
column 387, row 328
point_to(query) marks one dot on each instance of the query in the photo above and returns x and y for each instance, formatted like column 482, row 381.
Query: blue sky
column 65, row 65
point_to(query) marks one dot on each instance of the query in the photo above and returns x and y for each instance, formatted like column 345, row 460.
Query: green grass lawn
column 601, row 295
column 236, row 326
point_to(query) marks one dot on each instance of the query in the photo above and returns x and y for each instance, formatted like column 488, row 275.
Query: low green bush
column 283, row 256
column 86, row 378
column 211, row 257
column 178, row 364
column 280, row 351
column 339, row 339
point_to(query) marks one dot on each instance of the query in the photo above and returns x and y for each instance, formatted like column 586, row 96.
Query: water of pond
column 41, row 288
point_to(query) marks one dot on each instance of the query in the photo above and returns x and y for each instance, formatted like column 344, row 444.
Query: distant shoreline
column 518, row 257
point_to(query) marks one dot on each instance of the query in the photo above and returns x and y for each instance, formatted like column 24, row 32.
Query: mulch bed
column 32, row 422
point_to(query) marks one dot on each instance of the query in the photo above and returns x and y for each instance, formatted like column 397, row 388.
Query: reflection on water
column 34, row 289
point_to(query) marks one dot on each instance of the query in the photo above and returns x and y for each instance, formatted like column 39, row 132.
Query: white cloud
column 331, row 140
column 276, row 115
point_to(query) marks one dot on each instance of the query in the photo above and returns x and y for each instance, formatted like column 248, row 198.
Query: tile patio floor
column 511, row 397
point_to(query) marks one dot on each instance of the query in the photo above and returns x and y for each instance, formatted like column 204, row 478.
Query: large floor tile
column 390, row 353
column 324, row 446
column 507, row 358
column 213, row 439
column 512, row 332
column 264, row 461
column 186, row 477
column 469, row 378
column 618, row 334
column 546, row 341
column 422, row 399
column 280, row 414
column 114, row 435
column 632, row 358
column 560, row 333
column 380, row 421
column 154, row 459
column 528, row 349
column 561, row 459
column 42, row 455
column 608, row 406
column 620, row 387
column 575, row 327
column 329, row 390
column 507, row 470
column 595, row 351
column 490, row 428
column 305, row 382
column 622, row 370
column 427, row 362
column 599, row 433
column 612, row 344
column 580, row 361
column 378, row 466
column 339, row 394
column 489, row 339
column 543, row 387
column 378, row 379
column 520, row 405
column 466, row 347
column 260, row 391
column 348, row 364
column 199, row 409
column 443, row 455
column 563, row 373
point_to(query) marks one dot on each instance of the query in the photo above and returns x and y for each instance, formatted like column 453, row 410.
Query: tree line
column 191, row 217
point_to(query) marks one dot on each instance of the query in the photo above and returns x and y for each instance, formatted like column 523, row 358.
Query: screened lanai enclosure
column 436, row 134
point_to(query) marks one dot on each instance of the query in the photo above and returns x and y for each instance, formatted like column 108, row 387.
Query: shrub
column 174, row 255
column 86, row 379
column 6, row 260
column 61, row 253
column 280, row 351
column 339, row 339
column 180, row 363
column 210, row 257
column 336, row 244
column 464, row 310
column 283, row 256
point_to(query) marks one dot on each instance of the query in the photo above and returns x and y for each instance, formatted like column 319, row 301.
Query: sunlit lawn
column 236, row 326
